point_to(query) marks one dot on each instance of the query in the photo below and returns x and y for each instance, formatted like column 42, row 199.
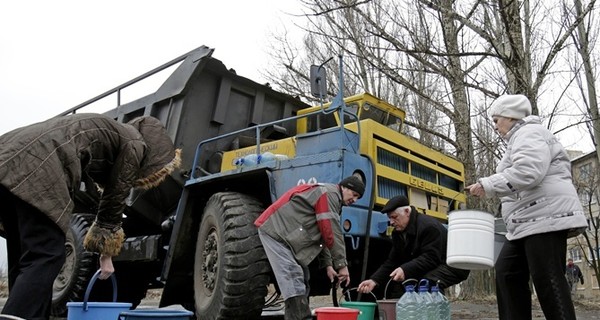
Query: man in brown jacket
column 303, row 223
column 42, row 166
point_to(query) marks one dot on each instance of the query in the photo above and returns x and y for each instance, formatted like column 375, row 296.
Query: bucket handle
column 91, row 284
column 410, row 280
column 386, row 287
column 403, row 283
column 425, row 281
column 345, row 292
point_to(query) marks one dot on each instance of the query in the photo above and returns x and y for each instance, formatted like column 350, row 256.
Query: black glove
column 581, row 281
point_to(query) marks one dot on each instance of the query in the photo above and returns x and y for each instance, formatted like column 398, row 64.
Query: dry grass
column 3, row 287
column 153, row 294
column 587, row 304
column 481, row 299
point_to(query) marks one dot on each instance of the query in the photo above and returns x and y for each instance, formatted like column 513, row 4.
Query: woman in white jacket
column 541, row 210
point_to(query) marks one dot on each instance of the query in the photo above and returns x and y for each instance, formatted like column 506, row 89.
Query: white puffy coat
column 534, row 183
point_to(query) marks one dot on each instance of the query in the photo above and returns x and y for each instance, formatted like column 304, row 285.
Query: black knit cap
column 355, row 184
column 395, row 202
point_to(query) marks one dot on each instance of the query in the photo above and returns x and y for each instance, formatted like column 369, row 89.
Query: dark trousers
column 541, row 257
column 36, row 253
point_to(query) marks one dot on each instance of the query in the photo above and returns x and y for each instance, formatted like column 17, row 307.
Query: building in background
column 586, row 177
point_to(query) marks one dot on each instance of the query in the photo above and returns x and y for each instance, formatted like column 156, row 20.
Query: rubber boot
column 297, row 308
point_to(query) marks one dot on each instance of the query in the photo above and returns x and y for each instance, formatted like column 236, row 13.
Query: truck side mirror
column 318, row 81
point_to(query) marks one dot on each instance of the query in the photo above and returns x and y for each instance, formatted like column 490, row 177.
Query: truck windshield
column 369, row 111
column 377, row 111
column 373, row 113
column 394, row 123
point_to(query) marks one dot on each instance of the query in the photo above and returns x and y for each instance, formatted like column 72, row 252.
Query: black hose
column 334, row 292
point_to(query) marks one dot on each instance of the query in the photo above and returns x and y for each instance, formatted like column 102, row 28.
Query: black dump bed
column 199, row 100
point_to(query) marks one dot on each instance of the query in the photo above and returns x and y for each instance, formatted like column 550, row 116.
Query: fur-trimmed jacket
column 45, row 163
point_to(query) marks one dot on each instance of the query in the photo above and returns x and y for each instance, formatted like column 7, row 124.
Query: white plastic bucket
column 470, row 240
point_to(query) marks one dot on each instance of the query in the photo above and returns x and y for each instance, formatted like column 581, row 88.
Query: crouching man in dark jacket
column 418, row 250
column 42, row 166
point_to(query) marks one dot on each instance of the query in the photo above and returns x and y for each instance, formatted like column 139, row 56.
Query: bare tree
column 584, row 38
column 587, row 180
column 588, row 187
column 444, row 57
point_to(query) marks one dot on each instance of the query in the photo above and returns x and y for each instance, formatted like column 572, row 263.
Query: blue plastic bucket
column 96, row 310
column 156, row 314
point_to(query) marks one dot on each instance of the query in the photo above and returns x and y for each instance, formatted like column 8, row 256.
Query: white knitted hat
column 515, row 106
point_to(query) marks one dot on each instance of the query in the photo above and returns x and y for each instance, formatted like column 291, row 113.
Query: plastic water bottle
column 441, row 303
column 427, row 301
column 409, row 305
column 239, row 162
column 254, row 159
column 246, row 161
column 251, row 160
column 281, row 157
column 266, row 157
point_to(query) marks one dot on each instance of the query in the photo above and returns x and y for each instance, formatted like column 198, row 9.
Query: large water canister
column 410, row 306
column 470, row 240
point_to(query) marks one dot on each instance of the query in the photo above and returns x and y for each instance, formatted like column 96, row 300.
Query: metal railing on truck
column 257, row 129
column 133, row 81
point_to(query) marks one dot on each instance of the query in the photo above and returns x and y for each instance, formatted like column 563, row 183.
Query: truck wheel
column 231, row 270
column 79, row 267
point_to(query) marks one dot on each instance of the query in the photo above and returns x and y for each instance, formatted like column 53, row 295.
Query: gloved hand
column 581, row 281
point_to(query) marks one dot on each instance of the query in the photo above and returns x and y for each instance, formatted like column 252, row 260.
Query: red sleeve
column 323, row 212
column 281, row 202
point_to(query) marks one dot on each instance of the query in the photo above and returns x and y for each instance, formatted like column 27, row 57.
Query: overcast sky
column 57, row 54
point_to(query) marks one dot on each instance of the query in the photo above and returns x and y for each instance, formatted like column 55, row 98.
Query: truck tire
column 79, row 267
column 231, row 270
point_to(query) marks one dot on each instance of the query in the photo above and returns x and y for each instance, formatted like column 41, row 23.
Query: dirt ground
column 483, row 309
column 486, row 309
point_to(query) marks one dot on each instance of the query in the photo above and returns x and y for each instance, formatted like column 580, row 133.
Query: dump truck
column 194, row 237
